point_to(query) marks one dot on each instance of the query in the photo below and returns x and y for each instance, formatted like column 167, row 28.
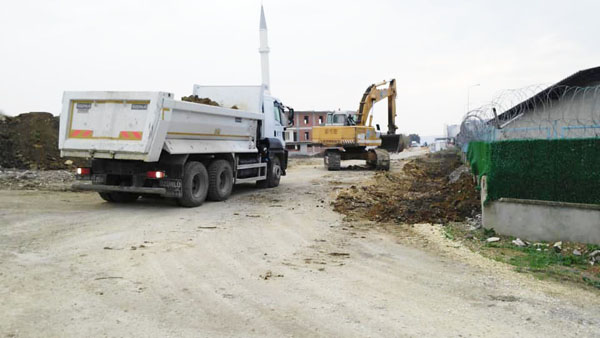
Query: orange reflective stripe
column 81, row 133
column 130, row 135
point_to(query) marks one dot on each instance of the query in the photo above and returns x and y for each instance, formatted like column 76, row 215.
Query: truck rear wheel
column 273, row 174
column 194, row 185
column 105, row 196
column 220, row 180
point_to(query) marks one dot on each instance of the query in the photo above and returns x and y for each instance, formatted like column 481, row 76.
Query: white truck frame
column 149, row 143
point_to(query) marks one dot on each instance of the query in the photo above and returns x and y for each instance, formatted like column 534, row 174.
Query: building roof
column 584, row 78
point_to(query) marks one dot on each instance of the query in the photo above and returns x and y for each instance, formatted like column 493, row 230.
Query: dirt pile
column 30, row 141
column 203, row 100
column 421, row 193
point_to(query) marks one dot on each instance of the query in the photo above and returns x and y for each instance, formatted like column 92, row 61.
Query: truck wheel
column 273, row 174
column 220, row 180
column 194, row 186
column 105, row 196
column 123, row 197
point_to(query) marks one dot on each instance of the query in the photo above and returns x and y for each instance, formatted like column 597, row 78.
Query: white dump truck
column 143, row 143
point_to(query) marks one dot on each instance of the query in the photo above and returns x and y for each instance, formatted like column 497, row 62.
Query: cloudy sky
column 323, row 53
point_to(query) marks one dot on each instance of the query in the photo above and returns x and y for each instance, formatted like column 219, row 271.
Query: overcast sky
column 323, row 53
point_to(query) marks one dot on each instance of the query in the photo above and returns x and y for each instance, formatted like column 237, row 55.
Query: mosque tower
column 264, row 50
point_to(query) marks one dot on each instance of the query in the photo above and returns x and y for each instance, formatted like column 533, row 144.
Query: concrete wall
column 577, row 115
column 541, row 220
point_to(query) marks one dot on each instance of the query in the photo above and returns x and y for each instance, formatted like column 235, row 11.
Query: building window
column 295, row 136
column 305, row 119
column 306, row 136
column 320, row 119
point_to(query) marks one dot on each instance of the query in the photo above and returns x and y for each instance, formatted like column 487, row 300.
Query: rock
column 456, row 174
column 595, row 255
column 493, row 239
column 518, row 242
column 557, row 246
column 576, row 252
column 68, row 162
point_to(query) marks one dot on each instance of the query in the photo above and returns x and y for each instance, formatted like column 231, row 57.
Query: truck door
column 274, row 119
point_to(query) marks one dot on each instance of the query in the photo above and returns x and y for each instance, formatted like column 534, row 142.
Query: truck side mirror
column 377, row 126
column 290, row 116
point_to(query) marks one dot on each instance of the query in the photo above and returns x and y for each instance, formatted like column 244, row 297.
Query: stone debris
column 49, row 180
column 493, row 239
column 518, row 242
column 458, row 172
column 594, row 257
column 557, row 246
column 576, row 252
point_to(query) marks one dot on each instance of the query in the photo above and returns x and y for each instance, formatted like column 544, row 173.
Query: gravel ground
column 275, row 262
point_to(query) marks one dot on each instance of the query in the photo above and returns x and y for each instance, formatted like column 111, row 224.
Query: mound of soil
column 421, row 193
column 203, row 100
column 196, row 99
column 30, row 141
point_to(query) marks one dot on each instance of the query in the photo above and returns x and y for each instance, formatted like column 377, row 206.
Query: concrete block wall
column 541, row 220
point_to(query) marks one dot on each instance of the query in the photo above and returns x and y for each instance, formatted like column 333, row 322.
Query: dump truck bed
column 140, row 125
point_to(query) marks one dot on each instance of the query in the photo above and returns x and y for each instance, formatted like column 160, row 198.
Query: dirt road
column 275, row 262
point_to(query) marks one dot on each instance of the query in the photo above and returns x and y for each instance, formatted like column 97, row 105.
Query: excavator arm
column 373, row 95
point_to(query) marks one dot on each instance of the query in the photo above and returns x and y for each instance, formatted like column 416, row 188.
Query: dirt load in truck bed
column 203, row 100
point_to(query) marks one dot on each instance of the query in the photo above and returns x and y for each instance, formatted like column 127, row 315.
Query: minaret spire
column 264, row 49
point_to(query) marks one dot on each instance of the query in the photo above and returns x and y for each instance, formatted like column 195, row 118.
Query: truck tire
column 194, row 185
column 106, row 196
column 333, row 160
column 273, row 174
column 220, row 180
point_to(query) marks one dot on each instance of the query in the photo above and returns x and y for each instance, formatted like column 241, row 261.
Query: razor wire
column 556, row 112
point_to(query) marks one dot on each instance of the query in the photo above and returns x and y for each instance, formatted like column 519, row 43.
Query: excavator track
column 333, row 160
column 379, row 159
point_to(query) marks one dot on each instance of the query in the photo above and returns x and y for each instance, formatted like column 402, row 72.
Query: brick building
column 298, row 138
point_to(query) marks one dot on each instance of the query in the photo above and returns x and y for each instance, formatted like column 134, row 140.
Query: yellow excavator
column 351, row 138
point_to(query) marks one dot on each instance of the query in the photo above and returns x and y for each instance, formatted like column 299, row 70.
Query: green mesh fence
column 550, row 170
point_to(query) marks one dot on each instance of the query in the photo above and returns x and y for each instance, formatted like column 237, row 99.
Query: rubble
column 518, row 242
column 493, row 239
column 557, row 246
column 420, row 193
column 51, row 180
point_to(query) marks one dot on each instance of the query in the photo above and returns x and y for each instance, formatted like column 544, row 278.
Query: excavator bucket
column 392, row 143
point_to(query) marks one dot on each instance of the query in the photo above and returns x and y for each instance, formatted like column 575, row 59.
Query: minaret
column 264, row 50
